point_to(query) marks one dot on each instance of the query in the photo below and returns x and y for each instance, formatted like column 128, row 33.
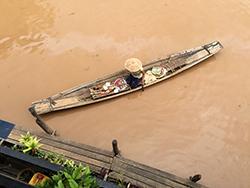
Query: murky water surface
column 197, row 122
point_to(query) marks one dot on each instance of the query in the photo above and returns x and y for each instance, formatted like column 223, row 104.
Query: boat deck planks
column 120, row 168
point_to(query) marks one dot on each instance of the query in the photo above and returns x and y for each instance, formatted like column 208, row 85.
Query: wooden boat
column 92, row 92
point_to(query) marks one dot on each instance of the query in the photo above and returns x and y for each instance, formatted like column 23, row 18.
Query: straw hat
column 133, row 65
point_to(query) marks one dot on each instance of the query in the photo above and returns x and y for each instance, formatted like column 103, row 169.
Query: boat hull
column 80, row 95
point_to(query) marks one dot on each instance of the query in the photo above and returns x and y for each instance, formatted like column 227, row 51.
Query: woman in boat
column 136, row 76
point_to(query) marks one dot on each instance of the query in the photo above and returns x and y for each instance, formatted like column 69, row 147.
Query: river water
column 197, row 122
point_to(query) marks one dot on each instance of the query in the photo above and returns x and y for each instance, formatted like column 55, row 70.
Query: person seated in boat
column 136, row 76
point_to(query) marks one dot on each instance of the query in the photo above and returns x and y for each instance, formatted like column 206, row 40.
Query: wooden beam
column 41, row 123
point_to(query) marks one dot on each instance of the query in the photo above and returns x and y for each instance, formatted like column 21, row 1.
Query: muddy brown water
column 197, row 122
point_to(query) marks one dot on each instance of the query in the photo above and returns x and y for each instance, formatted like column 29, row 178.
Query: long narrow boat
column 114, row 85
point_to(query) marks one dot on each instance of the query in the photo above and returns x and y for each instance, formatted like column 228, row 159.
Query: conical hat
column 133, row 65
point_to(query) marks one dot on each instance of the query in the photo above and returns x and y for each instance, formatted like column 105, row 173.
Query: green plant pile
column 73, row 176
column 30, row 144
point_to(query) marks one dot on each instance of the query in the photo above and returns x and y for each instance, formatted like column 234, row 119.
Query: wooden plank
column 70, row 148
column 96, row 160
column 82, row 146
column 146, row 177
column 122, row 165
column 95, row 165
column 19, row 131
column 136, row 180
column 122, row 162
column 78, row 157
column 79, row 151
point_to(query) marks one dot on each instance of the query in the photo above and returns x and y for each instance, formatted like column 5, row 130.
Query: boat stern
column 213, row 47
column 39, row 108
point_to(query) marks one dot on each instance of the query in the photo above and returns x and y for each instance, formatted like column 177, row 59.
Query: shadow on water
column 24, row 25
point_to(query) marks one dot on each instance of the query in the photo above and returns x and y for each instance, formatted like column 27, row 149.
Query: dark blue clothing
column 133, row 82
